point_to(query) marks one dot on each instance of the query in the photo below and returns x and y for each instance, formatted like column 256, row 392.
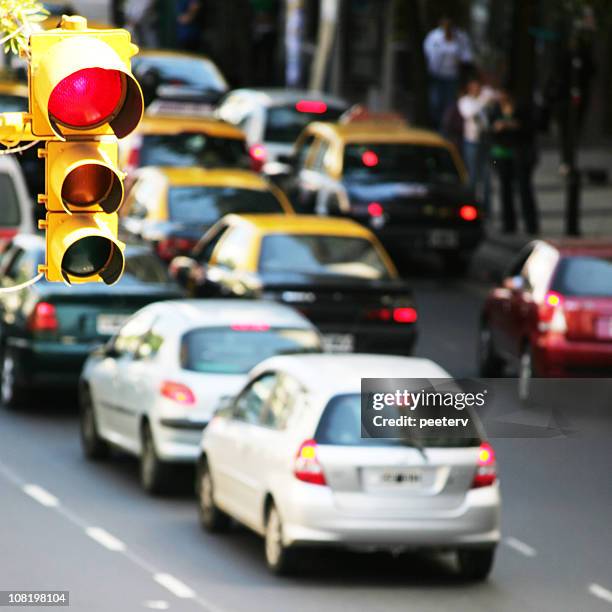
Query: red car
column 552, row 316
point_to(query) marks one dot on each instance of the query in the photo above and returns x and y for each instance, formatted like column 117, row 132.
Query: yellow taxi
column 334, row 271
column 172, row 208
column 179, row 140
column 408, row 185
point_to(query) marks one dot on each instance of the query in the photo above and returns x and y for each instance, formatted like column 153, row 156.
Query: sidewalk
column 497, row 251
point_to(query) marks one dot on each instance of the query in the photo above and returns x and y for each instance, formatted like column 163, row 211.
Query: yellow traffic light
column 82, row 98
column 80, row 82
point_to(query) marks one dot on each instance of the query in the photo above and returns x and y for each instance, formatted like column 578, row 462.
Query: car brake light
column 250, row 327
column 43, row 318
column 307, row 467
column 177, row 392
column 8, row 233
column 375, row 209
column 380, row 314
column 486, row 468
column 468, row 212
column 369, row 159
column 258, row 155
column 552, row 316
column 405, row 315
column 311, row 106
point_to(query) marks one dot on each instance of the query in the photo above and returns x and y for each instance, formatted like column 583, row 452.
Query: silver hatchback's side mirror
column 514, row 283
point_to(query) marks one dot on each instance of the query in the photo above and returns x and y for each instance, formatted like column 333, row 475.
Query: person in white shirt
column 446, row 49
column 473, row 106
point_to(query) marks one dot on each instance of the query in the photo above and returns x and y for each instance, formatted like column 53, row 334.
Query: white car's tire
column 212, row 519
column 280, row 559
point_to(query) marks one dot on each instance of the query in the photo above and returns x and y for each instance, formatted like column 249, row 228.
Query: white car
column 286, row 459
column 153, row 388
column 272, row 119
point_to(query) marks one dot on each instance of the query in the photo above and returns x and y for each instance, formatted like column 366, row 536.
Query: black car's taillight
column 43, row 318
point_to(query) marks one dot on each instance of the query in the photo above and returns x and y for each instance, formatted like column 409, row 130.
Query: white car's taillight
column 307, row 467
column 177, row 392
column 486, row 468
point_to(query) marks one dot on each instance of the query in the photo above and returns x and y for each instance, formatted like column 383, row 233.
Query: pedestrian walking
column 472, row 106
column 447, row 49
column 513, row 154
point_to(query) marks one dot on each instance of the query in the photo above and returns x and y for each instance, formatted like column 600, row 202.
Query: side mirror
column 179, row 269
column 225, row 405
column 514, row 283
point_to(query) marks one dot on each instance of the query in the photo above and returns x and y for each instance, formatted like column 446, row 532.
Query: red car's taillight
column 43, row 318
column 307, row 467
column 486, row 468
column 405, row 315
column 177, row 392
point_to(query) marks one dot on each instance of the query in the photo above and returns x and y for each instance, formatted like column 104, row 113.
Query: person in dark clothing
column 188, row 31
column 513, row 156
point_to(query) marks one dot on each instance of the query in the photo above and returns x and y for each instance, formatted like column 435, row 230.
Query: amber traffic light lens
column 91, row 184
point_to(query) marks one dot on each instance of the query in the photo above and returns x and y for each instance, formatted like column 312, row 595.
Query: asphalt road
column 69, row 525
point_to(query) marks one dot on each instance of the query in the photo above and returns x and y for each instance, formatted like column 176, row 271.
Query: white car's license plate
column 339, row 343
column 443, row 239
column 109, row 324
column 376, row 478
column 603, row 328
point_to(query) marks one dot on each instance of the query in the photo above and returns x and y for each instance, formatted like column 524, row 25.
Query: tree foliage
column 17, row 20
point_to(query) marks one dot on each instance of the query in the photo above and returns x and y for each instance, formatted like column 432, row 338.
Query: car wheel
column 526, row 374
column 490, row 365
column 94, row 447
column 154, row 473
column 12, row 393
column 280, row 559
column 211, row 518
column 475, row 564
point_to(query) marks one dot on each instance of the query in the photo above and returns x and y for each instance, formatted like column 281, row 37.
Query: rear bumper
column 406, row 239
column 310, row 517
column 557, row 357
column 49, row 364
column 178, row 440
column 390, row 340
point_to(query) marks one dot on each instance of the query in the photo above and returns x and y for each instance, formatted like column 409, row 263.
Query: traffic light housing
column 83, row 97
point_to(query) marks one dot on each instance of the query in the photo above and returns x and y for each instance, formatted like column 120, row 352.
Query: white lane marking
column 156, row 605
column 174, row 585
column 602, row 593
column 41, row 495
column 520, row 547
column 104, row 538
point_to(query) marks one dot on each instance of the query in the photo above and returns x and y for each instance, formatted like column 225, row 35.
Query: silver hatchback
column 286, row 458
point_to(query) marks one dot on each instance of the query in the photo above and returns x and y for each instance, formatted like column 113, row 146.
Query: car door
column 235, row 481
column 312, row 178
column 199, row 283
column 298, row 186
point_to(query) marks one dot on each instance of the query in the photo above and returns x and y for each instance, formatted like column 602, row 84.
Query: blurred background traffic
column 321, row 192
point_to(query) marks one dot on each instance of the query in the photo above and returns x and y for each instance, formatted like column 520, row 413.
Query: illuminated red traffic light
column 86, row 98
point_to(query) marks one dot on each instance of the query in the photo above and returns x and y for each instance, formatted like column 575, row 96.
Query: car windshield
column 186, row 71
column 206, row 205
column 584, row 276
column 13, row 104
column 321, row 254
column 10, row 214
column 193, row 149
column 144, row 268
column 285, row 123
column 399, row 162
column 340, row 425
column 237, row 349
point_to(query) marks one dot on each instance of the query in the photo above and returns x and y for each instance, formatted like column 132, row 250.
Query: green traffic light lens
column 87, row 256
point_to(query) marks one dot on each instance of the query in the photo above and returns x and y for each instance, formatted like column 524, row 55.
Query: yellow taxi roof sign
column 361, row 114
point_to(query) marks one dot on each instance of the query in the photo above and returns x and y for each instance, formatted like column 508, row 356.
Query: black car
column 332, row 270
column 407, row 185
column 48, row 329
